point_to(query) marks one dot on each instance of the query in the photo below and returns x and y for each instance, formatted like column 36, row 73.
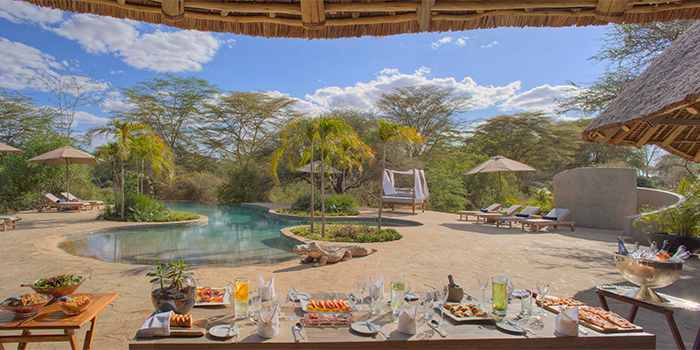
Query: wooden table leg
column 674, row 330
column 90, row 335
column 633, row 313
column 71, row 338
column 603, row 302
column 23, row 346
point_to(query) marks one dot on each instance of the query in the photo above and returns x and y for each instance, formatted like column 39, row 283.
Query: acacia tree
column 168, row 105
column 386, row 133
column 125, row 134
column 20, row 118
column 240, row 124
column 429, row 109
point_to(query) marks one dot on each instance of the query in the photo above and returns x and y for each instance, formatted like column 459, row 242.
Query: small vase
column 180, row 300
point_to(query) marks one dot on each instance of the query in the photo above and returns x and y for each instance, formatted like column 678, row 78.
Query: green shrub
column 317, row 213
column 192, row 187
column 142, row 208
column 338, row 203
column 245, row 185
column 350, row 233
column 544, row 199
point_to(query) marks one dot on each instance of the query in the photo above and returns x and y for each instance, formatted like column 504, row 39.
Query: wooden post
column 424, row 15
column 313, row 15
column 173, row 9
column 611, row 10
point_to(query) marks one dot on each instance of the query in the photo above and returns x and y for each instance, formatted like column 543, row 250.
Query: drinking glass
column 428, row 305
column 361, row 284
column 499, row 288
column 293, row 291
column 525, row 304
column 442, row 295
column 376, row 302
column 255, row 300
column 240, row 288
column 542, row 289
column 483, row 280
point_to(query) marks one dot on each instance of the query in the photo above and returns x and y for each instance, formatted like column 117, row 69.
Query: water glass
column 361, row 284
column 429, row 305
column 376, row 302
column 331, row 295
column 240, row 288
column 525, row 304
column 542, row 290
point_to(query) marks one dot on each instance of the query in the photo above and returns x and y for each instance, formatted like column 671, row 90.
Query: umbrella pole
column 67, row 181
column 500, row 188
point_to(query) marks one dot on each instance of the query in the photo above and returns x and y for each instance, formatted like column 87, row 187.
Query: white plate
column 226, row 298
column 447, row 313
column 411, row 296
column 510, row 327
column 305, row 303
column 519, row 293
column 365, row 328
column 222, row 331
column 300, row 296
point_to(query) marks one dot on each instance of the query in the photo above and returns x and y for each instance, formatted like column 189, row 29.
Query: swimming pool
column 234, row 236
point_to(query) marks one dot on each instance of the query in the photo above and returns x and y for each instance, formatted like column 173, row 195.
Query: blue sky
column 504, row 70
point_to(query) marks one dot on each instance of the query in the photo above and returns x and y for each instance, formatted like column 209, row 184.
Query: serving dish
column 23, row 311
column 447, row 313
column 218, row 292
column 78, row 303
column 350, row 306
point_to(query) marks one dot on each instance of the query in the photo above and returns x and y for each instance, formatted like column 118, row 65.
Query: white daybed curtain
column 420, row 186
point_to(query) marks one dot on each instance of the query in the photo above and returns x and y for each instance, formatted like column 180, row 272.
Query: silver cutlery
column 521, row 326
column 294, row 332
column 434, row 324
column 63, row 298
column 383, row 333
column 300, row 328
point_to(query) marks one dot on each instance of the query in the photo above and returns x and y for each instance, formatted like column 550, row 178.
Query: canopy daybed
column 412, row 197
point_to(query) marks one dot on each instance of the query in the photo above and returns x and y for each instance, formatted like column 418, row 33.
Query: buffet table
column 53, row 318
column 483, row 335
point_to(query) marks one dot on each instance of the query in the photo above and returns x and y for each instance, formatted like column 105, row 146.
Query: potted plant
column 173, row 287
column 679, row 225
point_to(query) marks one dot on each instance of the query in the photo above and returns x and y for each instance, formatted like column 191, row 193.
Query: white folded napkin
column 157, row 325
column 407, row 320
column 267, row 290
column 269, row 322
column 376, row 287
column 567, row 323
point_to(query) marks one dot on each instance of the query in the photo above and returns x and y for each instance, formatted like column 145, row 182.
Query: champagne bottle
column 679, row 252
column 653, row 249
column 663, row 253
column 635, row 251
column 682, row 257
column 621, row 249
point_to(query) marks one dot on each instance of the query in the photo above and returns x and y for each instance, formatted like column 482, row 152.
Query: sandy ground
column 573, row 262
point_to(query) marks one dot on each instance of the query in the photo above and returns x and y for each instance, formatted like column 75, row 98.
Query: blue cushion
column 483, row 210
column 550, row 217
column 61, row 201
column 522, row 215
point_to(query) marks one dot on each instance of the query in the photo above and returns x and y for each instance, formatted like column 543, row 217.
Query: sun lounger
column 491, row 216
column 554, row 218
column 491, row 208
column 72, row 198
column 403, row 197
column 519, row 217
column 9, row 219
column 54, row 202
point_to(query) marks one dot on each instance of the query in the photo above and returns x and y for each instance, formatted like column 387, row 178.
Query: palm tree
column 327, row 128
column 297, row 133
column 146, row 148
column 124, row 134
column 108, row 152
column 385, row 133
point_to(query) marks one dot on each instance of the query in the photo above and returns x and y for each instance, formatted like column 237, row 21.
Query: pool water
column 234, row 236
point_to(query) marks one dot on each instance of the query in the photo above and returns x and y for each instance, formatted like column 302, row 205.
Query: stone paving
column 573, row 262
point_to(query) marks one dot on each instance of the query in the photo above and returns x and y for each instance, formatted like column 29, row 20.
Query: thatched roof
column 315, row 19
column 661, row 106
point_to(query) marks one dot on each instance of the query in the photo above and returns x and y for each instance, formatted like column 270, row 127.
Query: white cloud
column 492, row 44
column 542, row 98
column 363, row 95
column 461, row 41
column 82, row 117
column 114, row 102
column 19, row 62
column 443, row 41
column 177, row 51
column 23, row 12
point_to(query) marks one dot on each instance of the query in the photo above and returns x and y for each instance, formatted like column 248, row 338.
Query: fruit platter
column 329, row 319
column 595, row 318
column 327, row 305
column 212, row 296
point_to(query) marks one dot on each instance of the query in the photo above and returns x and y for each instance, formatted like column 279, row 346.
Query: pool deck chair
column 6, row 220
column 54, row 202
column 72, row 198
column 554, row 218
column 490, row 209
column 491, row 216
column 519, row 217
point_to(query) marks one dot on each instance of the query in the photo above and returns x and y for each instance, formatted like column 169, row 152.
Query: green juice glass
column 499, row 286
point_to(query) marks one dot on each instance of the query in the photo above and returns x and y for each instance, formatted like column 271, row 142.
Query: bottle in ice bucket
column 499, row 286
column 240, row 290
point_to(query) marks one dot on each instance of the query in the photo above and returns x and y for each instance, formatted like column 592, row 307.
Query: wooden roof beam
column 609, row 135
column 468, row 17
column 476, row 5
column 244, row 7
column 611, row 10
column 681, row 122
column 424, row 20
column 313, row 15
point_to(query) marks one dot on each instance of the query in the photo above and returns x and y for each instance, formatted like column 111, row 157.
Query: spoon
column 434, row 324
column 63, row 298
column 294, row 333
column 300, row 328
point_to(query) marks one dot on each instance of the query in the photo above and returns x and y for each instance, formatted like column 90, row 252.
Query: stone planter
column 690, row 243
column 181, row 301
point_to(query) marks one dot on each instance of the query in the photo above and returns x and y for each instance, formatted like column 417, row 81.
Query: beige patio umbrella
column 499, row 164
column 6, row 148
column 65, row 155
column 317, row 168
